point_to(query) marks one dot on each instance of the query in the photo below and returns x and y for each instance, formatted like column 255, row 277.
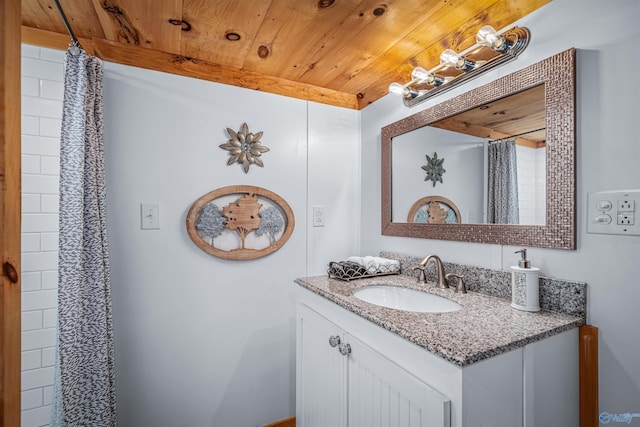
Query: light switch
column 150, row 216
column 613, row 212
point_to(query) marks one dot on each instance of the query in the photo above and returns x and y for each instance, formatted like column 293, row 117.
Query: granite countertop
column 485, row 326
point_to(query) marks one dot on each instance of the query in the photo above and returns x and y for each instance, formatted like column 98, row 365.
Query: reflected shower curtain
column 502, row 198
column 84, row 385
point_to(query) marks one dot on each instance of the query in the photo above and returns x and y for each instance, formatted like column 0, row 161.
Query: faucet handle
column 422, row 277
column 461, row 287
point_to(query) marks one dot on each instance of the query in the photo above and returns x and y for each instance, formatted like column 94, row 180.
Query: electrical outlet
column 626, row 205
column 318, row 216
column 613, row 212
column 626, row 218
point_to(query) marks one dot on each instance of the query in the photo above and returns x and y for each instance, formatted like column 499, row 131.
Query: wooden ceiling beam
column 189, row 67
column 52, row 40
column 454, row 125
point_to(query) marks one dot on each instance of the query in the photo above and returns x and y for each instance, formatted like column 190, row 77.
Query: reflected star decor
column 244, row 147
column 434, row 169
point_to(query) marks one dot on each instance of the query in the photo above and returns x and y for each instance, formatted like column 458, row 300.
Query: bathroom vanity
column 359, row 364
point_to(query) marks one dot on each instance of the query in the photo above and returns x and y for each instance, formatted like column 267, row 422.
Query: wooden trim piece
column 150, row 59
column 588, row 356
column 285, row 422
column 10, row 12
column 50, row 39
column 191, row 67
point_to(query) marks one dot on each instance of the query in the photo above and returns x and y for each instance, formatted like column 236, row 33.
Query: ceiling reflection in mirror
column 450, row 160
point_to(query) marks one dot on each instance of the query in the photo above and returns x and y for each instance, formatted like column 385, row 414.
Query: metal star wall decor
column 244, row 147
column 434, row 169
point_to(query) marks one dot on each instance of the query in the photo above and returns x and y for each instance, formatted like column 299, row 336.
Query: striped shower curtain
column 84, row 385
column 502, row 197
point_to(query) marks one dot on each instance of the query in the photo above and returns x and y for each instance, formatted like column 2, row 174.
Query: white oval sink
column 405, row 299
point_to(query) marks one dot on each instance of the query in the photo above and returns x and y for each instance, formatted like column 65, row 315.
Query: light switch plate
column 150, row 216
column 614, row 212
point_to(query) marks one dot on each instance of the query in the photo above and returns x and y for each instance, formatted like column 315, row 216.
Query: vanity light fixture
column 492, row 49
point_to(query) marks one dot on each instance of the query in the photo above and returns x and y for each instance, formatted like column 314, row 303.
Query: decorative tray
column 346, row 270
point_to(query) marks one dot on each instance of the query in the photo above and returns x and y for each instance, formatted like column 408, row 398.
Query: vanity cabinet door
column 321, row 372
column 382, row 394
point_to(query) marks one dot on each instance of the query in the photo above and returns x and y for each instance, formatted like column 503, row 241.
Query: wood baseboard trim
column 588, row 357
column 285, row 422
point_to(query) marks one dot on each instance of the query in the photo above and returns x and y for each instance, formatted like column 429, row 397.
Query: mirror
column 424, row 196
column 462, row 143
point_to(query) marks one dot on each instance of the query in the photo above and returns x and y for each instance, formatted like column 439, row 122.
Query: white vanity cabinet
column 385, row 380
column 344, row 382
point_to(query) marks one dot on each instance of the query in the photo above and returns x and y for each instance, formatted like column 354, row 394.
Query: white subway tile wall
column 541, row 185
column 531, row 184
column 42, row 90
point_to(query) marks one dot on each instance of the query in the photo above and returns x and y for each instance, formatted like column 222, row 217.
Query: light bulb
column 449, row 58
column 419, row 73
column 422, row 75
column 396, row 88
column 487, row 36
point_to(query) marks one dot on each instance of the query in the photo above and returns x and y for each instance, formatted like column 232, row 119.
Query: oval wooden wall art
column 253, row 222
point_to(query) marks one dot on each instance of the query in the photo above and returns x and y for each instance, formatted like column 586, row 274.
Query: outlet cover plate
column 149, row 216
column 318, row 216
column 613, row 212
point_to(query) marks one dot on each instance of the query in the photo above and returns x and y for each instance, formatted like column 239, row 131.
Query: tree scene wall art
column 240, row 222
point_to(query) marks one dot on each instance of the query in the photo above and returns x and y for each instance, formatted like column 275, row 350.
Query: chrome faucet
column 422, row 278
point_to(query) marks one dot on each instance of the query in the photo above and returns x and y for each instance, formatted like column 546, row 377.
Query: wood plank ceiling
column 337, row 52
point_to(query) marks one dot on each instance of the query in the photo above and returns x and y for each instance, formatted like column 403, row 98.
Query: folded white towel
column 375, row 264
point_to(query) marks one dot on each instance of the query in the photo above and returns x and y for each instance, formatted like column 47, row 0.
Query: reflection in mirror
column 485, row 187
column 550, row 82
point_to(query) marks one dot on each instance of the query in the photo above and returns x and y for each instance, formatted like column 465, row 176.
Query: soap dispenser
column 524, row 284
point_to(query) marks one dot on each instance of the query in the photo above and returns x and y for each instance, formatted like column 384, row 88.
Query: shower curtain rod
column 66, row 24
column 516, row 135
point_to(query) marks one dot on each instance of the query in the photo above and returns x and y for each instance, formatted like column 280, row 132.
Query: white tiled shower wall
column 531, row 184
column 42, row 90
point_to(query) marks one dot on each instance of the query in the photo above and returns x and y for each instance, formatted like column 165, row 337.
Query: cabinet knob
column 334, row 340
column 345, row 349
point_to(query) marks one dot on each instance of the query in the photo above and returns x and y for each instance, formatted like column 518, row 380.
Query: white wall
column 462, row 183
column 202, row 341
column 42, row 90
column 608, row 152
column 333, row 182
